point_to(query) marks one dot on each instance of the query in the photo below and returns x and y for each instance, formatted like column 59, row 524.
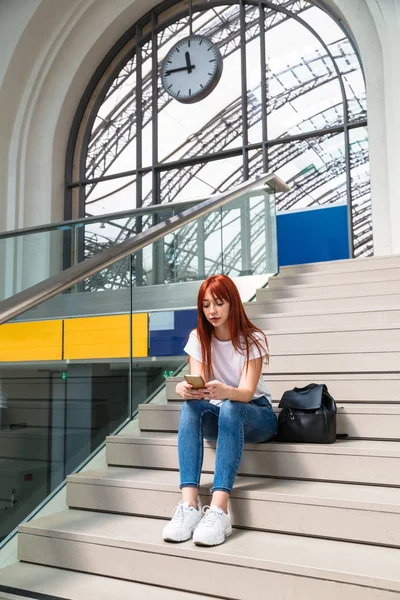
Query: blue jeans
column 232, row 424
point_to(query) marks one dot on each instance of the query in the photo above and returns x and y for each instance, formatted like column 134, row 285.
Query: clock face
column 191, row 69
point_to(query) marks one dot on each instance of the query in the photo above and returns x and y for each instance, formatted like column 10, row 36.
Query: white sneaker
column 184, row 521
column 213, row 528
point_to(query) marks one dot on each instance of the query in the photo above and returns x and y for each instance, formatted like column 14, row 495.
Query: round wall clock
column 191, row 69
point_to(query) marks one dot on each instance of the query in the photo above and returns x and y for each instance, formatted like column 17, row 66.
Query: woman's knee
column 231, row 410
column 193, row 408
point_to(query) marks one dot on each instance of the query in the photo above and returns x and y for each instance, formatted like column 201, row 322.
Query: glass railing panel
column 31, row 257
column 68, row 384
column 199, row 249
column 65, row 384
column 238, row 239
column 28, row 259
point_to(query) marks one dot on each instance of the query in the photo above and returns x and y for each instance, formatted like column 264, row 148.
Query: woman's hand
column 216, row 390
column 186, row 391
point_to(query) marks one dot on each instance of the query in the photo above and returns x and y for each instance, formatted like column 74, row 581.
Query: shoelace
column 178, row 514
column 211, row 517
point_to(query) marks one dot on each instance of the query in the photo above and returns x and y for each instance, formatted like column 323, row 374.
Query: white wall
column 49, row 50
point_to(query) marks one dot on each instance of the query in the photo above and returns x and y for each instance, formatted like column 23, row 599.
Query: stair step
column 131, row 548
column 269, row 305
column 351, row 461
column 335, row 351
column 365, row 318
column 349, row 512
column 335, row 340
column 372, row 421
column 334, row 290
column 333, row 278
column 343, row 265
column 49, row 583
column 353, row 387
column 342, row 362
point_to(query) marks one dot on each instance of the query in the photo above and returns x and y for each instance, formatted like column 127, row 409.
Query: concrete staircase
column 311, row 521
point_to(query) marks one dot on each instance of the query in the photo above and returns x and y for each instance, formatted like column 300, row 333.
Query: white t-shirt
column 228, row 364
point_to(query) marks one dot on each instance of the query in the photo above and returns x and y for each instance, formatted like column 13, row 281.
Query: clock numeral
column 210, row 48
column 201, row 85
column 170, row 86
column 178, row 92
column 211, row 74
column 212, row 60
column 201, row 41
column 190, row 92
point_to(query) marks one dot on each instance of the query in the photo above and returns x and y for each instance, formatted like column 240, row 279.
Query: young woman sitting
column 234, row 407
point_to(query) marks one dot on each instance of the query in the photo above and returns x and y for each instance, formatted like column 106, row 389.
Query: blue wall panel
column 312, row 235
column 170, row 342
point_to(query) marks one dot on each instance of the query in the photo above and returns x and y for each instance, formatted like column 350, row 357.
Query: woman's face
column 216, row 310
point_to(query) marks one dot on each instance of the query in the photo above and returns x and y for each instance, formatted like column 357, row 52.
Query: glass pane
column 249, row 236
column 29, row 259
column 200, row 180
column 64, row 386
column 110, row 196
column 114, row 128
column 189, row 254
column 314, row 168
column 238, row 240
column 345, row 58
column 361, row 193
column 303, row 91
column 209, row 245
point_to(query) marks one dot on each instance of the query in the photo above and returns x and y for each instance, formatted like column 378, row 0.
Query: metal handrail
column 106, row 218
column 126, row 214
column 40, row 292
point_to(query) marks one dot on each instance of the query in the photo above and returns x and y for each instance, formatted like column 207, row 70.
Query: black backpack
column 307, row 415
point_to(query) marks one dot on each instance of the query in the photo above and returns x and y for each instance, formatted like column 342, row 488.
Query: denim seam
column 201, row 445
column 220, row 489
column 189, row 484
column 240, row 457
column 242, row 444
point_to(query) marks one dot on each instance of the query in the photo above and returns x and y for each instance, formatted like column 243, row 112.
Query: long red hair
column 243, row 333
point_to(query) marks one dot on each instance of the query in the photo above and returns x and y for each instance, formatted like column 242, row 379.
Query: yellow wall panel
column 140, row 335
column 40, row 340
column 105, row 337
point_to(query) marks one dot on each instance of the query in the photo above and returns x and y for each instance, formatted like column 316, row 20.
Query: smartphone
column 196, row 381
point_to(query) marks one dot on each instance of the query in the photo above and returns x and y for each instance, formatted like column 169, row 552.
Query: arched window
column 291, row 100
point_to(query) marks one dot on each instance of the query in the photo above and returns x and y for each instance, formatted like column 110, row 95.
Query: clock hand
column 188, row 64
column 179, row 69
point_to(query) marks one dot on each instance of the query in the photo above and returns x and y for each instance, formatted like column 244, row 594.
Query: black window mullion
column 263, row 60
column 154, row 75
column 243, row 65
column 137, row 260
column 349, row 191
column 139, row 118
